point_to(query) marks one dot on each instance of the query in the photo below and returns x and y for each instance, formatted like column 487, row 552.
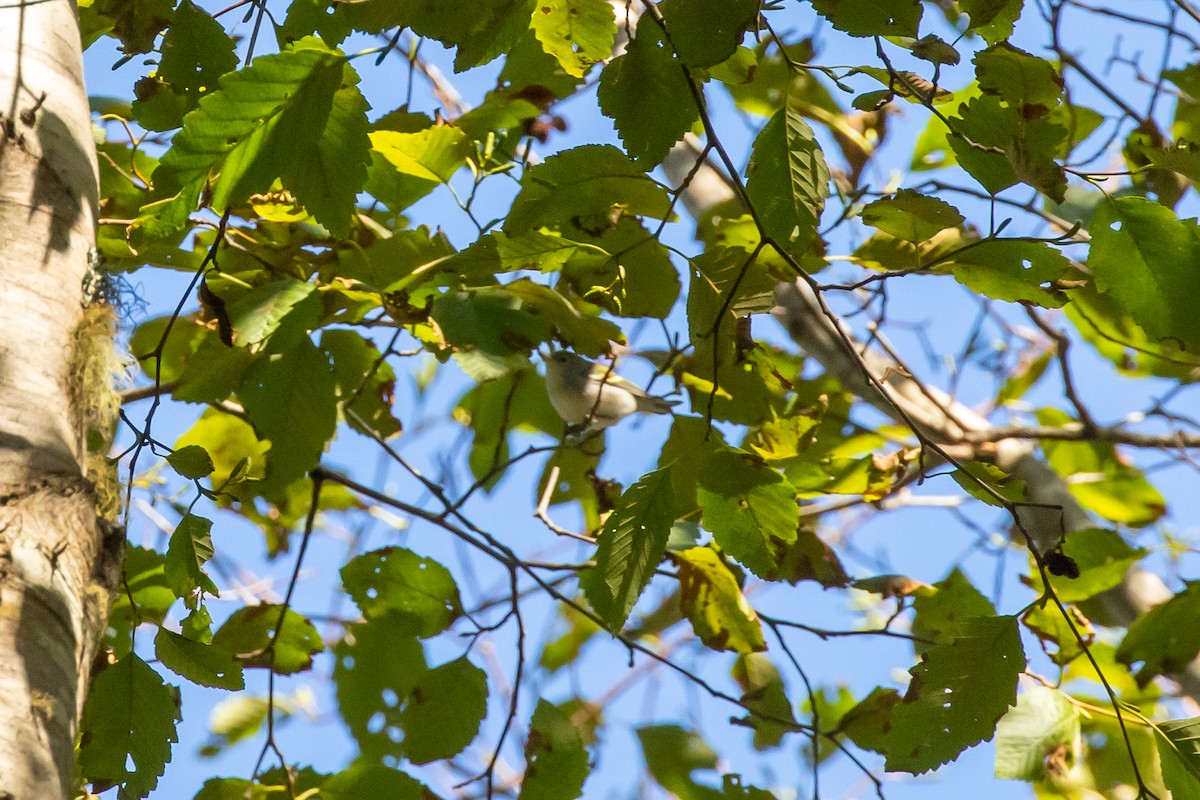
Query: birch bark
column 54, row 568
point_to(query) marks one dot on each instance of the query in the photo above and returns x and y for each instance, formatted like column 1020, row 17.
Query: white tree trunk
column 53, row 565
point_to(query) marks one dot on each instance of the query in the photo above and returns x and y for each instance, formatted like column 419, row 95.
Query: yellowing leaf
column 713, row 602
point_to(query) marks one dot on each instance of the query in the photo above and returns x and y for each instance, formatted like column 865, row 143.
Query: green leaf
column 911, row 216
column 940, row 610
column 958, row 692
column 868, row 723
column 1024, row 81
column 291, row 400
column 787, row 179
column 249, row 634
column 1043, row 725
column 705, row 33
column 480, row 29
column 579, row 188
column 395, row 580
column 713, row 602
column 1145, row 257
column 629, row 548
column 646, row 92
column 136, row 22
column 765, row 695
column 188, row 551
column 1164, row 639
column 556, row 763
column 578, row 33
column 401, row 261
column 284, row 116
column 327, row 177
column 205, row 664
column 586, row 333
column 972, row 473
column 144, row 579
column 192, row 462
column 1180, row 756
column 369, row 781
column 261, row 311
column 444, row 711
column 1103, row 558
column 1100, row 479
column 432, row 155
column 236, row 452
column 375, row 669
column 496, row 408
column 196, row 52
column 872, row 17
column 366, row 382
column 1015, row 271
column 672, row 754
column 1055, row 635
column 127, row 728
column 998, row 147
column 558, row 653
column 749, row 507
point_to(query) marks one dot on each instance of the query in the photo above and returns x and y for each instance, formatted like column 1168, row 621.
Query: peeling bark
column 56, row 565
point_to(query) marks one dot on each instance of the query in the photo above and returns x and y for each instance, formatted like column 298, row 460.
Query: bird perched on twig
column 582, row 392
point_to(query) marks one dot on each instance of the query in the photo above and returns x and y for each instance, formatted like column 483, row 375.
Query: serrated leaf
column 188, row 551
column 971, row 474
column 872, row 17
column 958, row 692
column 361, row 781
column 1022, row 80
column 912, row 216
column 672, row 754
column 764, row 694
column 629, row 548
column 259, row 313
column 1014, row 271
column 1143, row 256
column 556, row 763
column 375, row 669
column 127, row 728
column 580, row 187
column 275, row 119
column 237, row 454
column 646, row 94
column 870, row 721
column 1100, row 479
column 444, row 711
column 196, row 52
column 951, row 600
column 1103, row 558
column 291, row 400
column 396, row 580
column 481, row 30
column 249, row 634
column 1164, row 639
column 366, row 382
column 1043, row 725
column 1180, row 755
column 787, row 178
column 578, row 33
column 713, row 602
column 136, row 22
column 707, row 32
column 749, row 507
column 204, row 664
column 192, row 462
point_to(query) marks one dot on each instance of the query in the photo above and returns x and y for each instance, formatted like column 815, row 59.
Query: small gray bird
column 583, row 392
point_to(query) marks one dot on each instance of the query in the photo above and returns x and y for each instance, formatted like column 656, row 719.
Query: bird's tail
column 656, row 405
